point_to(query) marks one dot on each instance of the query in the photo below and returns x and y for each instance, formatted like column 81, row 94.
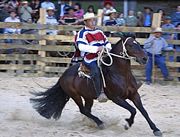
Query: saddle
column 83, row 71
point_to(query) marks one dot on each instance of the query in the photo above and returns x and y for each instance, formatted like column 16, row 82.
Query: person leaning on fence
column 50, row 19
column 154, row 46
column 131, row 20
column 91, row 41
column 176, row 16
column 168, row 36
column 25, row 12
column 12, row 18
column 111, row 21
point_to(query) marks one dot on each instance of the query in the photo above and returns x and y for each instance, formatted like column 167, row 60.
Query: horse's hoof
column 126, row 126
column 158, row 133
column 101, row 126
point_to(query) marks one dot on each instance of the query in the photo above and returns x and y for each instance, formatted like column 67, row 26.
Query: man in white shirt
column 11, row 18
column 46, row 4
column 50, row 19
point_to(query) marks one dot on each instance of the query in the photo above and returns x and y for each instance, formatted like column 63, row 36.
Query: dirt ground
column 19, row 119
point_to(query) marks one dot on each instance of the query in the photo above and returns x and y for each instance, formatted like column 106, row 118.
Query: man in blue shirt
column 154, row 46
column 166, row 35
column 176, row 16
column 147, row 17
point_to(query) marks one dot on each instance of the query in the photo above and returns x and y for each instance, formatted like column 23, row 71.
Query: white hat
column 24, row 2
column 111, row 11
column 158, row 30
column 50, row 8
column 89, row 16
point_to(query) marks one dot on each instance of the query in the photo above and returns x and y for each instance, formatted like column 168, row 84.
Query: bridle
column 123, row 54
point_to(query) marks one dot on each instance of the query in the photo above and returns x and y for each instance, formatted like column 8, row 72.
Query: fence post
column 100, row 17
column 156, row 22
column 42, row 20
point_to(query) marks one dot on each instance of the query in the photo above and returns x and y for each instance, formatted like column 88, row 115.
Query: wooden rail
column 55, row 65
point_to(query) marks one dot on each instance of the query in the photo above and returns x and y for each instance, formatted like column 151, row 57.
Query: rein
column 123, row 55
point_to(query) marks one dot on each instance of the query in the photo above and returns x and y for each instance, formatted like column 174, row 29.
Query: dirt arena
column 19, row 119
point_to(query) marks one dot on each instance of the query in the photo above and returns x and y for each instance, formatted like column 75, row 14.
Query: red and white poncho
column 89, row 40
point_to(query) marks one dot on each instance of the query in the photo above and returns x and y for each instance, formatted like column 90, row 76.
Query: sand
column 19, row 119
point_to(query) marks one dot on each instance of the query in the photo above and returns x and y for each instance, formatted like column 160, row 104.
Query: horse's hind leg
column 137, row 102
column 127, row 106
column 86, row 110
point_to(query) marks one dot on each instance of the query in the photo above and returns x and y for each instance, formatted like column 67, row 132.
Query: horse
column 120, row 86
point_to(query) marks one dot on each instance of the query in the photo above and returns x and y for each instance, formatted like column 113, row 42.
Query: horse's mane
column 115, row 45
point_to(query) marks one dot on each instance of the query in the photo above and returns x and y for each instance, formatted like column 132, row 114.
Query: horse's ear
column 122, row 35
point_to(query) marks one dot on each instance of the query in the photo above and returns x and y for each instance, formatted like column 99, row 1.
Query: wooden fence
column 41, row 59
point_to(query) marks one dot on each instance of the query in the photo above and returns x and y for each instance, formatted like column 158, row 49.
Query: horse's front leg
column 123, row 103
column 137, row 102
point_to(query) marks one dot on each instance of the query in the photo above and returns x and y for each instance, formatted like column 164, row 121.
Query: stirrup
column 102, row 98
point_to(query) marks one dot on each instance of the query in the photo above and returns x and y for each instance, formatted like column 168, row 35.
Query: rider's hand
column 100, row 48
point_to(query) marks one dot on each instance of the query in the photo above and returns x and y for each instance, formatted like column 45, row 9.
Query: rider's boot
column 101, row 96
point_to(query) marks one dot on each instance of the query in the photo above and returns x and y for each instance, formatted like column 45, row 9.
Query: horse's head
column 131, row 48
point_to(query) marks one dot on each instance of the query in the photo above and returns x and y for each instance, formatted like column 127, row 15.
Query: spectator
column 140, row 19
column 111, row 21
column 79, row 12
column 3, row 15
column 131, row 19
column 107, row 7
column 168, row 36
column 50, row 19
column 177, row 47
column 147, row 17
column 120, row 20
column 11, row 18
column 62, row 8
column 69, row 18
column 35, row 5
column 6, row 7
column 154, row 46
column 162, row 15
column 13, row 4
column 46, row 4
column 25, row 12
column 90, row 9
column 176, row 16
column 112, row 18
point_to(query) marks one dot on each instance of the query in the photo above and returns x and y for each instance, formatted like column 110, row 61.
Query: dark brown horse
column 120, row 85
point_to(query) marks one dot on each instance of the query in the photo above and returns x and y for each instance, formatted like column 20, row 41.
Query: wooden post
column 42, row 20
column 100, row 17
column 156, row 22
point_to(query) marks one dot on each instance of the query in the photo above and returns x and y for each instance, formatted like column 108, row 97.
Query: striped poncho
column 88, row 41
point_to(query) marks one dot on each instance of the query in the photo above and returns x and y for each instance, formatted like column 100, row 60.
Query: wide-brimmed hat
column 24, row 2
column 89, row 16
column 109, row 12
column 50, row 9
column 157, row 30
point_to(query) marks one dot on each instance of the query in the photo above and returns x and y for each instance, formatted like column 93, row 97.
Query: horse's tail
column 51, row 102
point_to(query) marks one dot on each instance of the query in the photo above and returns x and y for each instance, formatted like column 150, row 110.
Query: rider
column 91, row 41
